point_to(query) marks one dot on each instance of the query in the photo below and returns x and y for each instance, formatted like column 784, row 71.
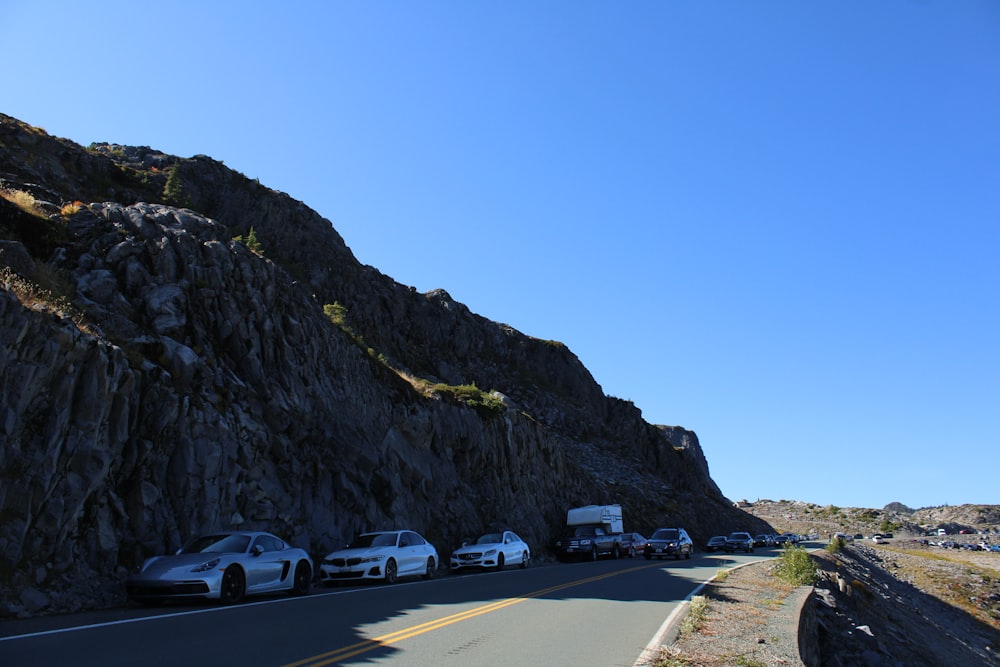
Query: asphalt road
column 601, row 613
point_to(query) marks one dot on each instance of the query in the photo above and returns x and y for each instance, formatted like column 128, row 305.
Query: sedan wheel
column 524, row 559
column 499, row 562
column 593, row 553
column 234, row 585
column 303, row 579
column 431, row 568
column 390, row 572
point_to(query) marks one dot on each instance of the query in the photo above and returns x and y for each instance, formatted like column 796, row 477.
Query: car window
column 268, row 543
column 489, row 538
column 224, row 544
column 387, row 540
column 413, row 539
column 374, row 540
column 665, row 534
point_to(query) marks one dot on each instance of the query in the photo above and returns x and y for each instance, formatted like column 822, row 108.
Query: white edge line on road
column 651, row 653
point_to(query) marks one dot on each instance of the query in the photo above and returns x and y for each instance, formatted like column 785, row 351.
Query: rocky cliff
column 183, row 349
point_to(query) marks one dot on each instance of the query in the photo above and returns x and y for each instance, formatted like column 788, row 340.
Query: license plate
column 345, row 569
column 659, row 551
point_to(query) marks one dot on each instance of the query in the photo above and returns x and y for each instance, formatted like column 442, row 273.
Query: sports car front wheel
column 303, row 579
column 234, row 585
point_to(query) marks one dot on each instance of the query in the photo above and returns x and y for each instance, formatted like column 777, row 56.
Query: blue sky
column 776, row 224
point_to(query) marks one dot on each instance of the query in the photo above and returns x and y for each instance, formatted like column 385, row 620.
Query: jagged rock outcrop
column 186, row 383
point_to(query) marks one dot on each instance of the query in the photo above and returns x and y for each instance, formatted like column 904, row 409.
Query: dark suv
column 668, row 542
column 739, row 542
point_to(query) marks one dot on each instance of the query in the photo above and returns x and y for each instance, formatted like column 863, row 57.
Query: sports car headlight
column 373, row 559
column 205, row 567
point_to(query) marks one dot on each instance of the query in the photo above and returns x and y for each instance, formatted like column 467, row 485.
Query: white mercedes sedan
column 492, row 550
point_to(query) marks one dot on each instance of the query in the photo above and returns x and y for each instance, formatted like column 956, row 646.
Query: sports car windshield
column 218, row 544
column 374, row 540
column 490, row 538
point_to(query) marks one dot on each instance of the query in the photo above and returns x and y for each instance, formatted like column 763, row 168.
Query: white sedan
column 384, row 555
column 492, row 550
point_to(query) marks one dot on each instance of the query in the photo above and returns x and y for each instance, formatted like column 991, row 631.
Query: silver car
column 492, row 550
column 385, row 555
column 223, row 566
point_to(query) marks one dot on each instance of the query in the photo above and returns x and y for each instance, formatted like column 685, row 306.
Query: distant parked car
column 225, row 567
column 715, row 543
column 492, row 550
column 384, row 555
column 878, row 539
column 995, row 548
column 632, row 544
column 739, row 542
column 668, row 542
column 762, row 541
column 780, row 540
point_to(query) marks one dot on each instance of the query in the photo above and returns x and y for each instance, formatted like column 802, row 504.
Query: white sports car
column 381, row 555
column 492, row 550
column 223, row 566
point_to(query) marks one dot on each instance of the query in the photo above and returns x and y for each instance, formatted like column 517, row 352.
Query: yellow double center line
column 393, row 637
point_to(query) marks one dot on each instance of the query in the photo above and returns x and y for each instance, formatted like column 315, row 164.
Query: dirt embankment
column 885, row 605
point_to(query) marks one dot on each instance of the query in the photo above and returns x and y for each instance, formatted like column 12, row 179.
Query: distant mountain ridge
column 894, row 517
column 185, row 349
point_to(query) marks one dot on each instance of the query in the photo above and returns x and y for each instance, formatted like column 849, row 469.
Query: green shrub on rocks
column 796, row 566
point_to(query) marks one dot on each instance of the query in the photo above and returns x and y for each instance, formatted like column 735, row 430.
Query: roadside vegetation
column 796, row 567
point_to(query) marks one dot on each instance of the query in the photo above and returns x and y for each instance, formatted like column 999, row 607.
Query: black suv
column 668, row 542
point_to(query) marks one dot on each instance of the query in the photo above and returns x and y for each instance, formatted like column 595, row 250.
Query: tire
column 431, row 570
column 616, row 552
column 303, row 579
column 593, row 552
column 648, row 556
column 524, row 559
column 499, row 562
column 631, row 552
column 234, row 585
column 391, row 574
column 688, row 554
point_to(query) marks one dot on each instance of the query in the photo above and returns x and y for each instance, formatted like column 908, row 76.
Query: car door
column 511, row 548
column 266, row 564
column 411, row 554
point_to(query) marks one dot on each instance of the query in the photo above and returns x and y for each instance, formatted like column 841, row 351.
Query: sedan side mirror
column 257, row 550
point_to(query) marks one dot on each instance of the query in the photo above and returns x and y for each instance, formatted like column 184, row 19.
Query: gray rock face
column 200, row 386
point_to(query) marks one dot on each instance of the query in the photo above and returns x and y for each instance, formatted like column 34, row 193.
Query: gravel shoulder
column 885, row 605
